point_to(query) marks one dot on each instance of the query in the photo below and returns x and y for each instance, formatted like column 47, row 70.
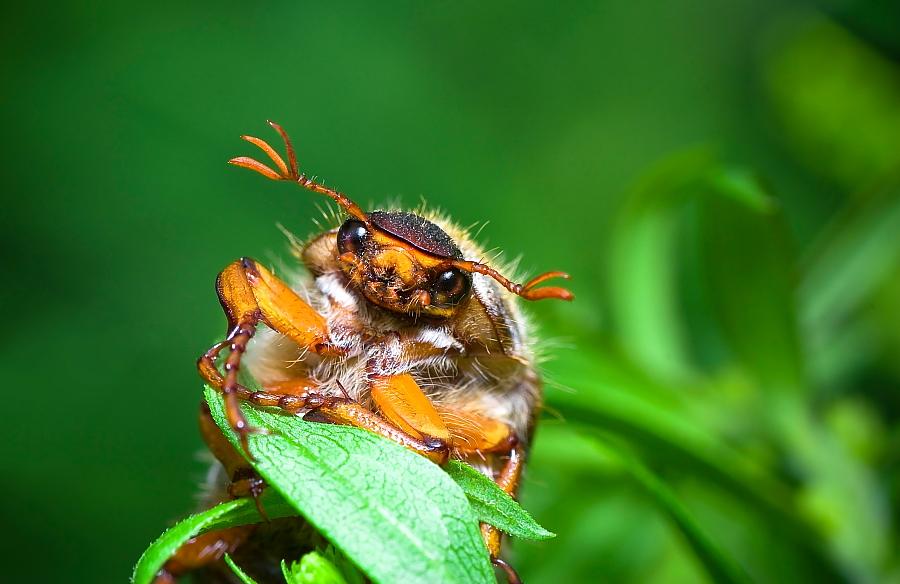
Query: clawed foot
column 247, row 483
column 243, row 430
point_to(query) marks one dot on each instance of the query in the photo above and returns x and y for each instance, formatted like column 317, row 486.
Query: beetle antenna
column 290, row 171
column 528, row 290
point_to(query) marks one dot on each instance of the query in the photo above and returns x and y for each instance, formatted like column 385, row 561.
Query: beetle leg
column 202, row 550
column 508, row 480
column 401, row 401
column 474, row 434
column 221, row 448
column 249, row 294
column 298, row 394
column 244, row 480
column 351, row 413
column 210, row 547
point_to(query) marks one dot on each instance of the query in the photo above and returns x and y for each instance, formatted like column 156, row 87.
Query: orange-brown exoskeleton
column 398, row 327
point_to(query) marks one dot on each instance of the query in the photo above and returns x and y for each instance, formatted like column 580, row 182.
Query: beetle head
column 404, row 263
column 399, row 261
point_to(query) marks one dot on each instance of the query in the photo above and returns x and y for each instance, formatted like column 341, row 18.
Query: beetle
column 396, row 328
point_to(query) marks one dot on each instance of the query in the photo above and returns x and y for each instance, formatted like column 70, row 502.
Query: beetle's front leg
column 250, row 294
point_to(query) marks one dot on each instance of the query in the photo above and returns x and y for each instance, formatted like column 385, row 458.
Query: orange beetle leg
column 351, row 413
column 472, row 433
column 202, row 550
column 402, row 402
column 249, row 294
column 221, row 448
column 508, row 480
column 244, row 480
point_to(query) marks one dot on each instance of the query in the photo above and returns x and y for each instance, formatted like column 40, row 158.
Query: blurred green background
column 720, row 178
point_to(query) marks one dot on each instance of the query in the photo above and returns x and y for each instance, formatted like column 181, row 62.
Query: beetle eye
column 451, row 287
column 351, row 236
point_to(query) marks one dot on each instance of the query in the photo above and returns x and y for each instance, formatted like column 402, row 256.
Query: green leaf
column 238, row 571
column 313, row 568
column 641, row 277
column 494, row 506
column 599, row 395
column 837, row 100
column 854, row 255
column 289, row 573
column 229, row 514
column 740, row 225
column 720, row 567
column 644, row 276
column 657, row 424
column 396, row 515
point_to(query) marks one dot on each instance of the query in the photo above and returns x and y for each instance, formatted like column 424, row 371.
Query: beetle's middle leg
column 468, row 434
column 406, row 416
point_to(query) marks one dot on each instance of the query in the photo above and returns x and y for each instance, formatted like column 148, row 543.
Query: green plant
column 393, row 513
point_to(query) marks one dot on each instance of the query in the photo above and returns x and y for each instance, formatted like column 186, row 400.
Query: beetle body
column 480, row 361
column 395, row 325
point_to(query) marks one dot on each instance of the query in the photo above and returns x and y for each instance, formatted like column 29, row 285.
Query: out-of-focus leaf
column 568, row 466
column 600, row 390
column 395, row 514
column 747, row 264
column 224, row 515
column 313, row 568
column 837, row 99
column 872, row 22
column 668, row 435
column 849, row 261
column 839, row 494
column 645, row 257
column 242, row 576
column 748, row 276
column 719, row 566
column 883, row 310
column 492, row 505
column 656, row 425
column 641, row 278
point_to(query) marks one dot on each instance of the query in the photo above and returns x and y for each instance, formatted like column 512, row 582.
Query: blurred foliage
column 837, row 100
column 722, row 180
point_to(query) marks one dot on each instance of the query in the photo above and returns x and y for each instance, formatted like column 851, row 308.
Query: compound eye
column 352, row 236
column 451, row 287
